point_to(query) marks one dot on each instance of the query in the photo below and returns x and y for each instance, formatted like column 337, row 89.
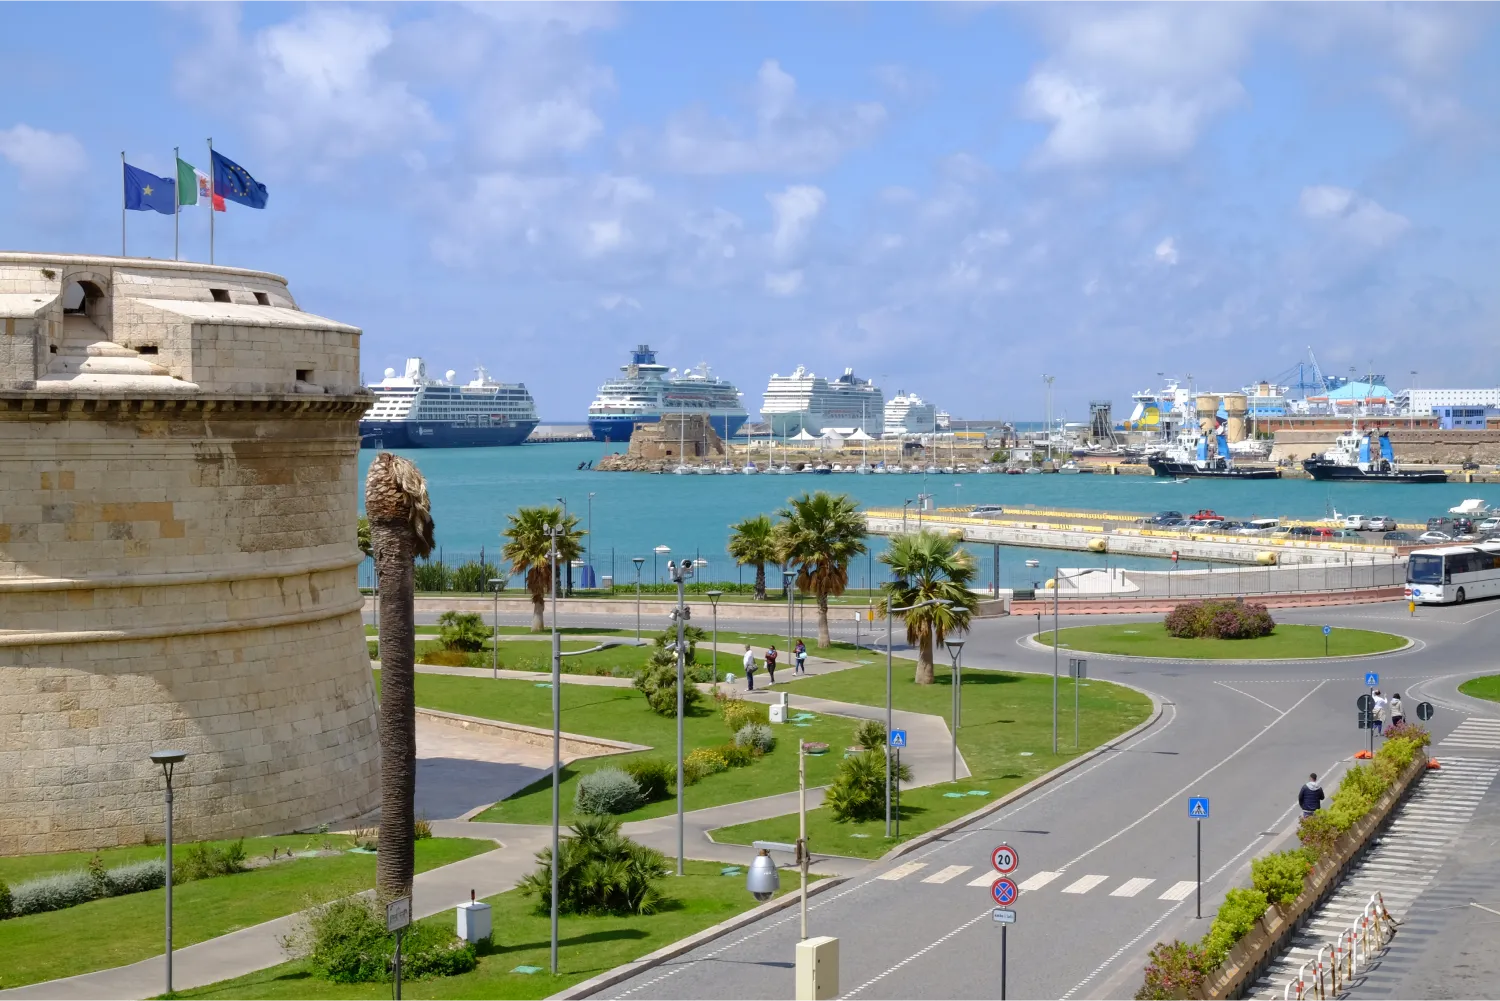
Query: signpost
column 1424, row 711
column 1326, row 631
column 1078, row 667
column 1004, row 892
column 1367, row 718
column 397, row 917
column 1198, row 810
column 897, row 741
column 1004, row 859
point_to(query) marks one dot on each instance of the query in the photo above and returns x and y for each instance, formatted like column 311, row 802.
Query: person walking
column 1397, row 711
column 749, row 668
column 801, row 652
column 1378, row 711
column 1310, row 796
column 771, row 656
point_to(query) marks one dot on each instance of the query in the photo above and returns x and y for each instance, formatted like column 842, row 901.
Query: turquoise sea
column 472, row 490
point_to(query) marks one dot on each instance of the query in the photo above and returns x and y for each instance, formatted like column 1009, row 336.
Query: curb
column 1030, row 643
column 922, row 840
column 619, row 974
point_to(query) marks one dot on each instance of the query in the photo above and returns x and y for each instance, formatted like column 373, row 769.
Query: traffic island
column 1150, row 640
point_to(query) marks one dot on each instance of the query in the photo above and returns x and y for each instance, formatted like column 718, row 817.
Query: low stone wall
column 573, row 745
column 1417, row 445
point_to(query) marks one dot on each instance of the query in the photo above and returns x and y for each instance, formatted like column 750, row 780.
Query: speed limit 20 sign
column 1004, row 859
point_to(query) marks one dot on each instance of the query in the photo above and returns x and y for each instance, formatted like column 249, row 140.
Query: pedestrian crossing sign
column 898, row 738
column 1198, row 807
column 1372, row 679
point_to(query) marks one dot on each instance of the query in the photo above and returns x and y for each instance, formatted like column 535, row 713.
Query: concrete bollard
column 817, row 968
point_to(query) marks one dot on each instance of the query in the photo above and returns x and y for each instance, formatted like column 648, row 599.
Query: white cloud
column 1352, row 215
column 793, row 212
column 615, row 301
column 43, row 160
column 1166, row 251
column 784, row 283
column 789, row 134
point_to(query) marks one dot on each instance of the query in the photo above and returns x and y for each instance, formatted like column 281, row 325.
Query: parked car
column 1356, row 522
column 1294, row 532
column 1464, row 526
column 1399, row 538
column 1439, row 524
column 1162, row 517
column 1206, row 514
column 1260, row 526
column 1434, row 536
column 1321, row 533
column 1347, row 534
column 986, row 511
column 1380, row 523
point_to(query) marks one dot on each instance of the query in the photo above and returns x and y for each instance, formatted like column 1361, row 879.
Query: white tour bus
column 1453, row 573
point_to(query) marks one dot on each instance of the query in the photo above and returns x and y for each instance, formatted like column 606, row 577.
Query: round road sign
column 1004, row 891
column 1424, row 710
column 1365, row 702
column 1004, row 859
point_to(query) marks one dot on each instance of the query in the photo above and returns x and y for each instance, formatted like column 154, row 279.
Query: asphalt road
column 1116, row 832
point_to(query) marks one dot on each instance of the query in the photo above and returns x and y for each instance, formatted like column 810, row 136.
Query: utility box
column 606, row 582
column 778, row 712
column 474, row 921
column 818, row 968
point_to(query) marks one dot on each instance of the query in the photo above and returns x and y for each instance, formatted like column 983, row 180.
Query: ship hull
column 440, row 434
column 1322, row 470
column 619, row 428
column 1168, row 468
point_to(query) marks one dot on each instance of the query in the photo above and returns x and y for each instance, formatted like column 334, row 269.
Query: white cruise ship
column 803, row 401
column 907, row 414
column 413, row 411
column 646, row 390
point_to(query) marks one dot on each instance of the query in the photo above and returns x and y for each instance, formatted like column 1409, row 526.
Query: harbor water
column 473, row 489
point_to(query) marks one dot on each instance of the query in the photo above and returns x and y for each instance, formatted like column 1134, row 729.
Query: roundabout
column 1287, row 642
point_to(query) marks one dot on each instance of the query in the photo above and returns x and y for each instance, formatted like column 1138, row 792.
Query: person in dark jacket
column 1310, row 796
column 771, row 663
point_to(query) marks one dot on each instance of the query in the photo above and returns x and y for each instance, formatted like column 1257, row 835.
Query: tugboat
column 1351, row 458
column 1188, row 456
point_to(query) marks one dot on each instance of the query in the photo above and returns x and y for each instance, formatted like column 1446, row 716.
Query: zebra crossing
column 1477, row 733
column 1080, row 885
column 1399, row 865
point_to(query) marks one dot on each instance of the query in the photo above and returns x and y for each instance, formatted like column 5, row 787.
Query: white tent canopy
column 802, row 435
column 859, row 435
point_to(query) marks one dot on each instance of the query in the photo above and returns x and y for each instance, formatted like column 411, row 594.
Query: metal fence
column 1229, row 583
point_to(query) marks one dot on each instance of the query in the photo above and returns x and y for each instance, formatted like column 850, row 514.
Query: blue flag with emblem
column 234, row 183
column 144, row 191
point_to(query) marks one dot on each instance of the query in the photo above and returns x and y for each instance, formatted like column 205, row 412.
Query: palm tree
column 820, row 534
column 928, row 565
column 400, row 531
column 753, row 542
column 529, row 549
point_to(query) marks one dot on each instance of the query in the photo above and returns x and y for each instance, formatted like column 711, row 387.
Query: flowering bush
column 1174, row 970
column 1413, row 733
column 1224, row 620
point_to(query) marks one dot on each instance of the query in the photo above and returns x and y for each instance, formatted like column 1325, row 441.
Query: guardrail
column 1349, row 953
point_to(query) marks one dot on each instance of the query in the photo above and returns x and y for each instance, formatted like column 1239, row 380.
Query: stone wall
column 1419, row 445
column 676, row 436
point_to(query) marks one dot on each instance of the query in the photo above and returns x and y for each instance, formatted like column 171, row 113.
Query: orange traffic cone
column 1433, row 765
column 1361, row 755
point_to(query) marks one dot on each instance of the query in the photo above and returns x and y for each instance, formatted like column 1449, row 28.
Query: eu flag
column 234, row 183
column 145, row 191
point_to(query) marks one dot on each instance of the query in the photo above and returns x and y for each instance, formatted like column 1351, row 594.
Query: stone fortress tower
column 178, row 484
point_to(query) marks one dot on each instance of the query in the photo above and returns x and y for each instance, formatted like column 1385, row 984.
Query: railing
column 1351, row 951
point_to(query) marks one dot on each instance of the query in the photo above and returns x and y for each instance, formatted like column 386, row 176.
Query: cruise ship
column 803, row 401
column 905, row 414
column 413, row 411
column 647, row 390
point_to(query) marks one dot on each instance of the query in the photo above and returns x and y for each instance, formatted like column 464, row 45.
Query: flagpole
column 122, row 204
column 210, row 199
column 177, row 209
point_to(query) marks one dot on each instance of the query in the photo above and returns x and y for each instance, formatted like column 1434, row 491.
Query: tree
column 529, row 549
column 928, row 565
column 362, row 536
column 820, row 534
column 400, row 530
column 754, row 542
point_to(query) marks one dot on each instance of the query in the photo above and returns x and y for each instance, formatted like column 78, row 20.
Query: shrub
column 344, row 941
column 871, row 735
column 600, row 871
column 474, row 576
column 1364, row 780
column 53, row 893
column 858, row 790
column 734, row 755
column 4, row 899
column 658, row 682
column 1225, row 620
column 1281, row 876
column 1175, row 970
column 756, row 736
column 738, row 713
column 1237, row 915
column 704, row 761
column 431, row 950
column 464, row 631
column 421, row 828
column 665, row 643
column 607, row 790
column 432, row 575
column 1413, row 733
column 202, row 860
column 654, row 776
column 1318, row 833
column 135, row 877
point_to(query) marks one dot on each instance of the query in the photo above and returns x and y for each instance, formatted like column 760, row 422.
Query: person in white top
column 749, row 668
column 1378, row 713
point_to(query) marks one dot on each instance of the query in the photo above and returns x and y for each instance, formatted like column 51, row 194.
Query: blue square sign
column 1372, row 680
column 898, row 738
column 1198, row 807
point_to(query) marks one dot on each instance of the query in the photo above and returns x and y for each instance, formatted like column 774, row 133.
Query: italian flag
column 192, row 183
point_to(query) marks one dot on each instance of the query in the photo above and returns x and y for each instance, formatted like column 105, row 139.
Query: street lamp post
column 679, row 574
column 569, row 588
column 496, row 583
column 787, row 576
column 888, row 712
column 168, row 759
column 713, row 599
column 638, row 560
column 955, row 650
column 553, row 532
column 588, row 551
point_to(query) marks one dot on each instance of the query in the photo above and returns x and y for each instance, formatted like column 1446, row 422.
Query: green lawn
column 120, row 930
column 588, row 946
column 1005, row 737
column 1487, row 687
column 622, row 714
column 1288, row 642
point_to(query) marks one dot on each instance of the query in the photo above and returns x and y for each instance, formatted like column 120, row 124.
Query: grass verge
column 587, row 946
column 1487, row 687
column 1288, row 642
column 116, row 931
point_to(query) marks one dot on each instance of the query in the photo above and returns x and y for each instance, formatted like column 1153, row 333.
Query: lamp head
column 638, row 560
column 713, row 597
column 954, row 646
column 165, row 758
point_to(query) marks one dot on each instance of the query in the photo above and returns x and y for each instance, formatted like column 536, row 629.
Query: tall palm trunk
column 823, row 637
column 924, row 657
column 760, row 582
column 400, row 530
column 538, row 612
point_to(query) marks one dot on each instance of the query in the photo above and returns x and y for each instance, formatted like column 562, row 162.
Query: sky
column 953, row 199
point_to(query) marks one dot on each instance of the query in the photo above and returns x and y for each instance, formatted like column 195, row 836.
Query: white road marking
column 1248, row 696
column 902, row 871
column 1039, row 880
column 1179, row 890
column 1084, row 885
column 984, row 879
column 943, row 875
column 1131, row 887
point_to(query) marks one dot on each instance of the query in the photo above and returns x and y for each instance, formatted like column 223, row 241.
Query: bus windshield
column 1425, row 570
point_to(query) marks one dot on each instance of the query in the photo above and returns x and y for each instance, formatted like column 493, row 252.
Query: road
column 1107, row 853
